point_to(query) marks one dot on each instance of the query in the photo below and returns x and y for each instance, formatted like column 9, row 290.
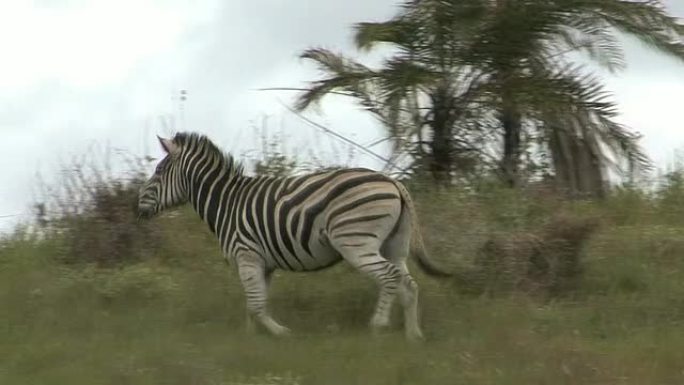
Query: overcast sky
column 74, row 73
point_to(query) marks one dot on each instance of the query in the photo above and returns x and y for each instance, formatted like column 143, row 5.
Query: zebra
column 297, row 223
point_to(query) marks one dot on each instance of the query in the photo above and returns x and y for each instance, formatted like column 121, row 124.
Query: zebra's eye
column 159, row 169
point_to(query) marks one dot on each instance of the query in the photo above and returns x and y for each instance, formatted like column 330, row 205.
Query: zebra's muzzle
column 145, row 213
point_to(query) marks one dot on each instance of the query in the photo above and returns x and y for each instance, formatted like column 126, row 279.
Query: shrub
column 546, row 261
column 92, row 211
column 108, row 232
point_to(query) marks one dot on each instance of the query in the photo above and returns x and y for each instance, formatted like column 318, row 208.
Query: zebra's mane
column 204, row 144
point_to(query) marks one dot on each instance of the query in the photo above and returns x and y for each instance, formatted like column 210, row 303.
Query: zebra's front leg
column 255, row 278
column 249, row 319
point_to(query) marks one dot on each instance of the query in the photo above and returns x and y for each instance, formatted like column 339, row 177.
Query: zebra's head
column 165, row 188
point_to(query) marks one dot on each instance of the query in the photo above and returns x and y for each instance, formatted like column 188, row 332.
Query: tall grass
column 175, row 314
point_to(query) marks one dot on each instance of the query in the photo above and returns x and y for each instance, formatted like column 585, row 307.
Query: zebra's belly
column 324, row 256
column 319, row 256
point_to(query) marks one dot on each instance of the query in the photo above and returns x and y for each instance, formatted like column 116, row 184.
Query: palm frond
column 647, row 21
column 595, row 40
column 343, row 73
column 332, row 63
column 577, row 102
column 396, row 31
column 401, row 74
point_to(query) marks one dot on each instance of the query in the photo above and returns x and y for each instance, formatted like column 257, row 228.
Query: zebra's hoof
column 379, row 328
column 415, row 336
column 379, row 322
column 281, row 331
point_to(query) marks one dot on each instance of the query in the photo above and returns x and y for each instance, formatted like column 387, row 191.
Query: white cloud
column 653, row 106
column 90, row 45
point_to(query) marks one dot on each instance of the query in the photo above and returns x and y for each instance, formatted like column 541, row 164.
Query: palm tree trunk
column 442, row 142
column 512, row 127
column 590, row 168
column 441, row 154
column 578, row 169
column 440, row 166
column 560, row 147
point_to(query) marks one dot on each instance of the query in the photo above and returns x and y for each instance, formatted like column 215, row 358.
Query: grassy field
column 177, row 317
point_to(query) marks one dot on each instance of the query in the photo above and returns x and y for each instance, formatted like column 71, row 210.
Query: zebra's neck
column 212, row 183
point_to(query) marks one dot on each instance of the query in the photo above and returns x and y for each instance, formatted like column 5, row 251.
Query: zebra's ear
column 168, row 145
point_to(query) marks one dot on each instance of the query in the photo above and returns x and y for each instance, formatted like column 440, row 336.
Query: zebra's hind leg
column 396, row 248
column 385, row 274
column 255, row 278
column 408, row 295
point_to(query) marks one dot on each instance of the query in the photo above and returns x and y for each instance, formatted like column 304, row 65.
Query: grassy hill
column 173, row 313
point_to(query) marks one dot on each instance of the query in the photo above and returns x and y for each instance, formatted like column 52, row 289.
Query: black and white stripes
column 302, row 223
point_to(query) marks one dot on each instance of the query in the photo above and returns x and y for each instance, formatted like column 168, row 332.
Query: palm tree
column 473, row 71
column 423, row 85
column 525, row 46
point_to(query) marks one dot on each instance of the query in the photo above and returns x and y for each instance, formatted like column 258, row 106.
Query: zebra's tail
column 417, row 246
